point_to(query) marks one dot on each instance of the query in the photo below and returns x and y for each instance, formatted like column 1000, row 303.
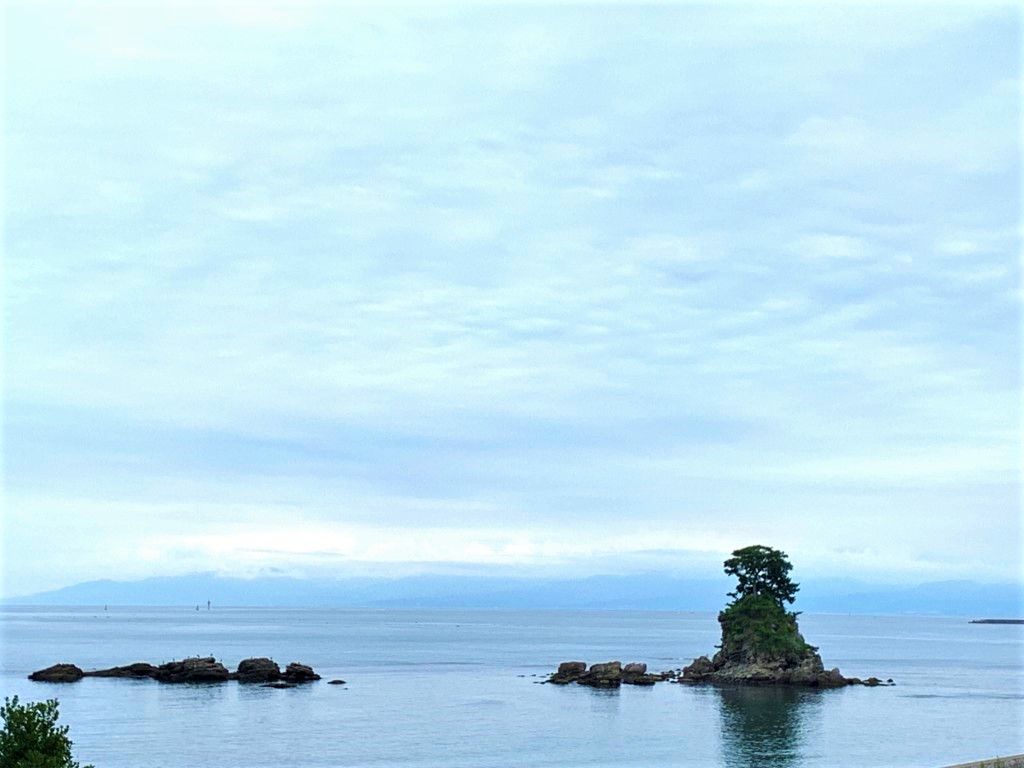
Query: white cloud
column 367, row 272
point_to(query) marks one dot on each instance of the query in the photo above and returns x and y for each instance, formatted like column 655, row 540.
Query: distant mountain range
column 652, row 591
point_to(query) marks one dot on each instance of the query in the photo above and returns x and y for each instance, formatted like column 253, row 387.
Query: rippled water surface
column 459, row 688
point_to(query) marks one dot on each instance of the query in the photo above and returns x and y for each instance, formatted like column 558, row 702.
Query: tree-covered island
column 761, row 641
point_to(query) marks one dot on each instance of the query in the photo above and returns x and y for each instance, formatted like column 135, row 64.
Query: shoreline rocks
column 193, row 670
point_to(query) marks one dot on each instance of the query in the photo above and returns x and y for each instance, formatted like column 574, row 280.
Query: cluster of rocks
column 809, row 673
column 610, row 674
column 198, row 669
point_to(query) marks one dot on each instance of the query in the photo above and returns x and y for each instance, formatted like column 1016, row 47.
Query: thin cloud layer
column 528, row 285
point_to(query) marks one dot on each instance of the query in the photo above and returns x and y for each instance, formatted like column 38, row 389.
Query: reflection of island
column 764, row 726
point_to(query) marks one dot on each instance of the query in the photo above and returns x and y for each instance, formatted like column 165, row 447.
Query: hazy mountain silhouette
column 652, row 591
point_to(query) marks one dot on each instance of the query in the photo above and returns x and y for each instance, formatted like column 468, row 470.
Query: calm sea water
column 459, row 688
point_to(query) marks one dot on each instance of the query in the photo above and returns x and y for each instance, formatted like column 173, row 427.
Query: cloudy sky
column 537, row 288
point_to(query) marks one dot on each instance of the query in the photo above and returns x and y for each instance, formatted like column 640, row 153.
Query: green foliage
column 759, row 626
column 761, row 571
column 31, row 738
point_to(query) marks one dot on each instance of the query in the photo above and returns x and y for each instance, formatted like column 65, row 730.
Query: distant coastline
column 647, row 591
column 997, row 621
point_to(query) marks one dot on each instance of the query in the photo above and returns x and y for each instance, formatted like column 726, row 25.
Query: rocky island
column 761, row 641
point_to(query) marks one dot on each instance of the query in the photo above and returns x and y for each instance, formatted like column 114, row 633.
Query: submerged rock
column 58, row 673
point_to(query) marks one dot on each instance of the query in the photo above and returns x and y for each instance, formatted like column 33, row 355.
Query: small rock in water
column 568, row 672
column 336, row 682
column 258, row 670
column 606, row 675
column 299, row 673
column 58, row 673
column 200, row 669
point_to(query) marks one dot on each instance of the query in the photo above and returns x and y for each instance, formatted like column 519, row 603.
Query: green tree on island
column 764, row 571
column 31, row 738
column 756, row 623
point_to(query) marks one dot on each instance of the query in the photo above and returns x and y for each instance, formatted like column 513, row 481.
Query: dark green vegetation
column 31, row 738
column 756, row 620
column 761, row 571
column 763, row 629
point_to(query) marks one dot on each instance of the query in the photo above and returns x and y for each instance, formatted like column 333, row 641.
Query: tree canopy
column 31, row 738
column 762, row 571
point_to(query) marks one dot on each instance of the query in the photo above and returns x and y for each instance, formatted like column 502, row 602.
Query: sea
column 427, row 688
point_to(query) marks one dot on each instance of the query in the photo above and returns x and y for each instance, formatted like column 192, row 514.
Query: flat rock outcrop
column 58, row 673
column 139, row 669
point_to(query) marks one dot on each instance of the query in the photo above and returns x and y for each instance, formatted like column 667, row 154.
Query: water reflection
column 765, row 726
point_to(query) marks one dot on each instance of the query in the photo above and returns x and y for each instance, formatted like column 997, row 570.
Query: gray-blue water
column 458, row 688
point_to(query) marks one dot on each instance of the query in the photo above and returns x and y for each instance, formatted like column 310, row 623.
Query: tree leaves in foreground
column 31, row 738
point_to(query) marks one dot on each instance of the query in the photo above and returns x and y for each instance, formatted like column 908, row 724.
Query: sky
column 329, row 290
